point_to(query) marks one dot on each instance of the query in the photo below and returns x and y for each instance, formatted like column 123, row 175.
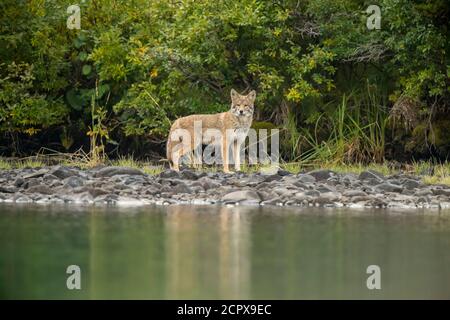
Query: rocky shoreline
column 130, row 186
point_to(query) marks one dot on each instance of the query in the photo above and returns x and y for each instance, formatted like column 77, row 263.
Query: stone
column 49, row 178
column 8, row 189
column 19, row 182
column 182, row 188
column 112, row 171
column 73, row 182
column 324, row 189
column 272, row 177
column 31, row 183
column 207, row 183
column 107, row 198
column 42, row 189
column 389, row 187
column 443, row 192
column 306, row 178
column 188, row 174
column 282, row 172
column 410, row 184
column 241, row 195
column 20, row 198
column 169, row 174
column 62, row 172
column 354, row 193
column 423, row 192
column 273, row 201
column 36, row 174
column 320, row 175
column 371, row 174
column 312, row 193
column 327, row 198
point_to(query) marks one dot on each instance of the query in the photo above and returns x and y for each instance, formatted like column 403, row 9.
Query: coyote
column 237, row 121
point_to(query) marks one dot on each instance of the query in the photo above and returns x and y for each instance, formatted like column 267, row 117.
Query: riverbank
column 118, row 185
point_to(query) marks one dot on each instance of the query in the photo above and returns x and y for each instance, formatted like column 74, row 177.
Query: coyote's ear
column 234, row 94
column 252, row 95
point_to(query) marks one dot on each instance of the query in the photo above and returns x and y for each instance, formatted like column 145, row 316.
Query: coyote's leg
column 237, row 154
column 197, row 157
column 180, row 150
column 225, row 154
column 176, row 155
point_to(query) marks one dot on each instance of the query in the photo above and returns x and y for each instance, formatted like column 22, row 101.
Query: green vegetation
column 342, row 94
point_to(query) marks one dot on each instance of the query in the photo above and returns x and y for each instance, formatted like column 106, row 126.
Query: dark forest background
column 337, row 90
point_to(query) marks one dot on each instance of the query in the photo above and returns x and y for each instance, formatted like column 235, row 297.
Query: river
column 218, row 252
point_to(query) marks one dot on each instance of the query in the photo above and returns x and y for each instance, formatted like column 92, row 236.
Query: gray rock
column 321, row 174
column 360, row 198
column 49, row 178
column 324, row 189
column 8, row 189
column 439, row 192
column 327, row 198
column 152, row 190
column 73, row 182
column 36, row 174
column 107, row 198
column 19, row 182
column 207, row 183
column 306, row 178
column 188, row 174
column 371, row 174
column 169, row 174
column 267, row 195
column 31, row 183
column 423, row 192
column 273, row 201
column 42, row 189
column 389, row 187
column 372, row 181
column 62, row 172
column 112, row 171
column 410, row 184
column 83, row 197
column 396, row 181
column 312, row 193
column 354, row 193
column 21, row 198
column 182, row 188
column 272, row 177
column 241, row 195
column 282, row 172
column 350, row 179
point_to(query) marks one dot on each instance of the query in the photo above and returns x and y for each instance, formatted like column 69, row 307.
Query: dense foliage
column 336, row 88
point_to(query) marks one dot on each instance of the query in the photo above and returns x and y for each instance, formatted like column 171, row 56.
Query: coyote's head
column 242, row 106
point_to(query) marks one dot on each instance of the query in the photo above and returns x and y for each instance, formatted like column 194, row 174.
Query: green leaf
column 86, row 69
column 74, row 99
column 82, row 56
column 102, row 89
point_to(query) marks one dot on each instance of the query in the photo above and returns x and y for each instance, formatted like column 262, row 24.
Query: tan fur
column 238, row 118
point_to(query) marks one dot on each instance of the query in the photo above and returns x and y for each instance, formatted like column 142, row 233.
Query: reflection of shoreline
column 207, row 254
column 234, row 253
column 125, row 255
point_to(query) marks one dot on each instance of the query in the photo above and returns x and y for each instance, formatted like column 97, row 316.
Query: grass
column 5, row 165
column 352, row 131
column 20, row 164
column 431, row 172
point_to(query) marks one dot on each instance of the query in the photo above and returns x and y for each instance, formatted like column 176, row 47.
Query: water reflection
column 208, row 254
column 213, row 252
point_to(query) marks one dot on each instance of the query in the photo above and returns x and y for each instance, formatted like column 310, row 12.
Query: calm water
column 217, row 252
